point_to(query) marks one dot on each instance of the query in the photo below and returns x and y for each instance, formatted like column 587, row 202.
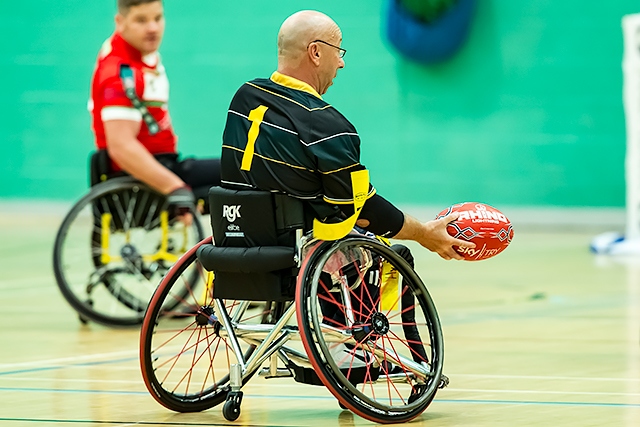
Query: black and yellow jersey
column 280, row 135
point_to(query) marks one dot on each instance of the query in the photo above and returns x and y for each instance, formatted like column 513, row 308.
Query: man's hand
column 438, row 240
column 181, row 203
column 433, row 235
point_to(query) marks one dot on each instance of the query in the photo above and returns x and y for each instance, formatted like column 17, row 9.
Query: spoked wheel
column 114, row 246
column 186, row 351
column 370, row 329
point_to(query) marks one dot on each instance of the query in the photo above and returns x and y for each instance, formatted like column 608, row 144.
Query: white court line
column 255, row 389
column 67, row 380
column 278, row 385
column 588, row 393
column 75, row 359
column 542, row 377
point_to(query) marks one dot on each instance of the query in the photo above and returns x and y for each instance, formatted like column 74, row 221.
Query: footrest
column 357, row 375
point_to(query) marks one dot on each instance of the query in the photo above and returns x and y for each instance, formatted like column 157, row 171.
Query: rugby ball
column 481, row 224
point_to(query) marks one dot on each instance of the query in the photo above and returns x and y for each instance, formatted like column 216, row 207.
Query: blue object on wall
column 429, row 42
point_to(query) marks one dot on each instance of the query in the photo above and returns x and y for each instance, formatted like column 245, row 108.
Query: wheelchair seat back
column 129, row 208
column 254, row 256
column 99, row 167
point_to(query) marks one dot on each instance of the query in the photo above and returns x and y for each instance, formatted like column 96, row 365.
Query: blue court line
column 463, row 401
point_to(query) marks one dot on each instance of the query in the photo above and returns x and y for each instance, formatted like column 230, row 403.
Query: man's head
column 141, row 23
column 309, row 49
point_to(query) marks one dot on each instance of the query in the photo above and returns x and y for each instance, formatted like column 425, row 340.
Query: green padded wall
column 528, row 113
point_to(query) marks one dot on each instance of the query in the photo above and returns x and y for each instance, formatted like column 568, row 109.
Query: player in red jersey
column 129, row 105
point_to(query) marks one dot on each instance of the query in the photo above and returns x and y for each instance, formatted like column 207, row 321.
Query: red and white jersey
column 109, row 101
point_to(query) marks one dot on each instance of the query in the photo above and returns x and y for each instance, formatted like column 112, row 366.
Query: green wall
column 528, row 113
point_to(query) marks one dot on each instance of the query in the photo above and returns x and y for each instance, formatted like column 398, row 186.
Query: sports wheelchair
column 349, row 314
column 114, row 246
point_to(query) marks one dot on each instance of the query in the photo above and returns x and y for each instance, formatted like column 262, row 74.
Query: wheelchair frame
column 118, row 207
column 374, row 360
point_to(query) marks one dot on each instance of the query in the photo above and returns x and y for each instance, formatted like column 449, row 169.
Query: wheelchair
column 114, row 246
column 351, row 315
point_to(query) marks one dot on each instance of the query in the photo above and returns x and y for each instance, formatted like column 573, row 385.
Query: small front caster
column 231, row 408
column 444, row 381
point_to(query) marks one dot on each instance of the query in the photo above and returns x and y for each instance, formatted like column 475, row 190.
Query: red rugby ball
column 481, row 224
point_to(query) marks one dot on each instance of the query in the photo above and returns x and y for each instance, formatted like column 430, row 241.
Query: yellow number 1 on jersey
column 255, row 117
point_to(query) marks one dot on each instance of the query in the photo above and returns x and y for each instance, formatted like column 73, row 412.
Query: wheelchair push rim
column 184, row 357
column 367, row 355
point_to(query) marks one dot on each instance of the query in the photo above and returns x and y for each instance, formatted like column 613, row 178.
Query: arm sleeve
column 384, row 218
column 116, row 105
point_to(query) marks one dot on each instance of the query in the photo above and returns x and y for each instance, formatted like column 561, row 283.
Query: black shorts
column 199, row 174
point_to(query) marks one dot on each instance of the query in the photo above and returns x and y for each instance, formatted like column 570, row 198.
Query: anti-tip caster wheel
column 231, row 408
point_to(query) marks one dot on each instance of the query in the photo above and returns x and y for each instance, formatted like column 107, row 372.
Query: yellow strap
column 360, row 188
column 389, row 290
column 105, row 224
column 255, row 117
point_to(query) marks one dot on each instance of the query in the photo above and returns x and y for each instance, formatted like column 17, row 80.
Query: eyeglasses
column 343, row 52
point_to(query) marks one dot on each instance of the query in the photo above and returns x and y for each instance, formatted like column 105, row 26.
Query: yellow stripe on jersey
column 255, row 116
column 269, row 159
column 347, row 201
column 338, row 170
column 288, row 99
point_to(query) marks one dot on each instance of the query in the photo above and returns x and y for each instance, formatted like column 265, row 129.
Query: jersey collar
column 293, row 83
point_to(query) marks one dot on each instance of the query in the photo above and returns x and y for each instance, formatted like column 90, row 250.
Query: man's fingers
column 186, row 219
column 450, row 218
column 463, row 243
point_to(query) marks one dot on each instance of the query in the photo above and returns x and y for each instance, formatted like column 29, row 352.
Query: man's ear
column 119, row 19
column 314, row 53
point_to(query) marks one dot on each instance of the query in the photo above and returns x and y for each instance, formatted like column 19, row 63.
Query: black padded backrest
column 99, row 167
column 254, row 253
column 242, row 218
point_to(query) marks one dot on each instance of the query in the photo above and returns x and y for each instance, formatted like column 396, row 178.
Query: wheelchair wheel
column 186, row 351
column 114, row 246
column 370, row 329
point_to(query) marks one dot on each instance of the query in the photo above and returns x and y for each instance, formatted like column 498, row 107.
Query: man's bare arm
column 125, row 149
column 431, row 234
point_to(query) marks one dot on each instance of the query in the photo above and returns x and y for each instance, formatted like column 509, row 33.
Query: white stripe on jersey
column 120, row 113
column 265, row 123
column 328, row 137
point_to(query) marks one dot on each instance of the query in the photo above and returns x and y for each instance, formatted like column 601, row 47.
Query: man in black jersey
column 282, row 136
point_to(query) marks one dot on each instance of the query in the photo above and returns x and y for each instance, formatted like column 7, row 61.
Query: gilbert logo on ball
column 481, row 224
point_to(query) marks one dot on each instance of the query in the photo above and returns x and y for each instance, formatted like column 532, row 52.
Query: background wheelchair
column 114, row 246
column 350, row 314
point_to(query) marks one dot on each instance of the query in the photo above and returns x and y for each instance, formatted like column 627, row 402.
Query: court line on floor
column 72, row 365
column 132, row 423
column 545, row 377
column 272, row 386
column 586, row 393
column 287, row 397
column 68, row 359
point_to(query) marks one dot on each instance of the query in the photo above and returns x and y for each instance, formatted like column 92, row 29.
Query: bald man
column 281, row 136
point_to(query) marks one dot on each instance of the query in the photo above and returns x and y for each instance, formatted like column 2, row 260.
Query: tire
column 185, row 352
column 381, row 361
column 109, row 274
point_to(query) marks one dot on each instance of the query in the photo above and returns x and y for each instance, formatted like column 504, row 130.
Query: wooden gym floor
column 543, row 335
